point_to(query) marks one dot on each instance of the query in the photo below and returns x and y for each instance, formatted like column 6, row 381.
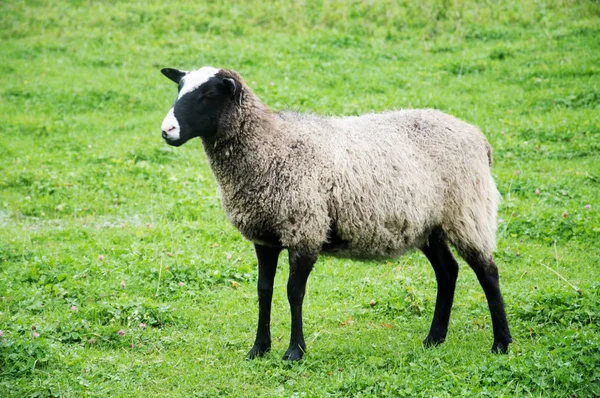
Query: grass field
column 105, row 229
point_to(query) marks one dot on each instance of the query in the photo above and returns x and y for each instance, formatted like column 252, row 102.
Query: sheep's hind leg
column 446, row 271
column 487, row 274
column 267, row 266
column 300, row 266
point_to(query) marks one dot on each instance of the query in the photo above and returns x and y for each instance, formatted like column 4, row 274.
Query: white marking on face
column 170, row 125
column 196, row 78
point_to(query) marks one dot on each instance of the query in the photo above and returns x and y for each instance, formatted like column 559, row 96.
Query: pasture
column 120, row 275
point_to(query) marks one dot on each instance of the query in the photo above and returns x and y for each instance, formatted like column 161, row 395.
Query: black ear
column 173, row 74
column 232, row 86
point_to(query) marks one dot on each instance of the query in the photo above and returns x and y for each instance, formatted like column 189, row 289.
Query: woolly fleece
column 371, row 186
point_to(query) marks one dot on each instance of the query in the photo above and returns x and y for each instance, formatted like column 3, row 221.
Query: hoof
column 500, row 347
column 433, row 341
column 257, row 352
column 293, row 354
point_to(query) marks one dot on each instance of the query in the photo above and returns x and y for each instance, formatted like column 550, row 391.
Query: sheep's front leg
column 300, row 266
column 267, row 265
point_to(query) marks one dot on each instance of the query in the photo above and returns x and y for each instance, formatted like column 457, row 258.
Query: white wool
column 381, row 182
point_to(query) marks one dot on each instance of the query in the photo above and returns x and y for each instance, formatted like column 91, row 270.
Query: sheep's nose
column 167, row 130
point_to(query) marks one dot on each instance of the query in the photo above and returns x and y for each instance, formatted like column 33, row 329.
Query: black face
column 197, row 112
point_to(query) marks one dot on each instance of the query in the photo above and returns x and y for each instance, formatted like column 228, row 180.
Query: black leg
column 487, row 274
column 446, row 271
column 300, row 266
column 267, row 265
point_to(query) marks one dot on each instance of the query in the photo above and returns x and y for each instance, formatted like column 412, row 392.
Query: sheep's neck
column 248, row 155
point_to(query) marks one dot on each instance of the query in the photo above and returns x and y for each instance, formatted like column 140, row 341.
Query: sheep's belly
column 362, row 255
column 374, row 248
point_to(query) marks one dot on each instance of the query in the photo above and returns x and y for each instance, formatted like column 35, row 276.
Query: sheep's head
column 203, row 95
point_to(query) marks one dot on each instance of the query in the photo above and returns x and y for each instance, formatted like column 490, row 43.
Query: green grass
column 84, row 173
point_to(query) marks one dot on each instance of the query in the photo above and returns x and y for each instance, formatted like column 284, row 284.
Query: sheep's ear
column 173, row 74
column 232, row 86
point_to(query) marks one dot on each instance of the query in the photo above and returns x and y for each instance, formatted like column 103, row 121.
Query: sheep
column 360, row 187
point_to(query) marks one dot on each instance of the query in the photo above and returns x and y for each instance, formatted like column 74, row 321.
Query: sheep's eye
column 205, row 96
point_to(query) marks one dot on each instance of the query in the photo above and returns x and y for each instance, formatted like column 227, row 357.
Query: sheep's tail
column 489, row 153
